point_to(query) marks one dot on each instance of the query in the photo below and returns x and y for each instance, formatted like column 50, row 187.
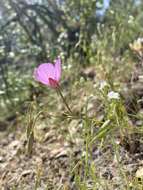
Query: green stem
column 64, row 100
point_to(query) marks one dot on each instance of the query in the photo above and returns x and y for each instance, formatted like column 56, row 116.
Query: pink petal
column 44, row 72
column 37, row 77
column 58, row 69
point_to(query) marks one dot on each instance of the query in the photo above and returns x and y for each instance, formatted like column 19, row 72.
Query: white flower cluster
column 62, row 36
column 113, row 95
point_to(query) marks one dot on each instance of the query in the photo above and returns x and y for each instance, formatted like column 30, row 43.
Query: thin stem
column 64, row 100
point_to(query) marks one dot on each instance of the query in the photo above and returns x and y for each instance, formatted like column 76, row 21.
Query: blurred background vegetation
column 82, row 32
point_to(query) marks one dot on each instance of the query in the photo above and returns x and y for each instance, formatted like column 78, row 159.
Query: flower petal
column 36, row 76
column 44, row 72
column 58, row 69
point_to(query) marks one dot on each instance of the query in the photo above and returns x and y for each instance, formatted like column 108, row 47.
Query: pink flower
column 49, row 74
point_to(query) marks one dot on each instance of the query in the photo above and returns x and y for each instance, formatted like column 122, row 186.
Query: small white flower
column 140, row 40
column 113, row 95
column 76, row 34
column 99, row 5
column 69, row 66
column 102, row 85
column 23, row 50
column 11, row 54
column 59, row 39
column 62, row 55
column 131, row 19
column 2, row 92
column 62, row 36
column 112, row 12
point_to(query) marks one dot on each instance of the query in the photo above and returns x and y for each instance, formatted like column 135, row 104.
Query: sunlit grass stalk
column 87, row 138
